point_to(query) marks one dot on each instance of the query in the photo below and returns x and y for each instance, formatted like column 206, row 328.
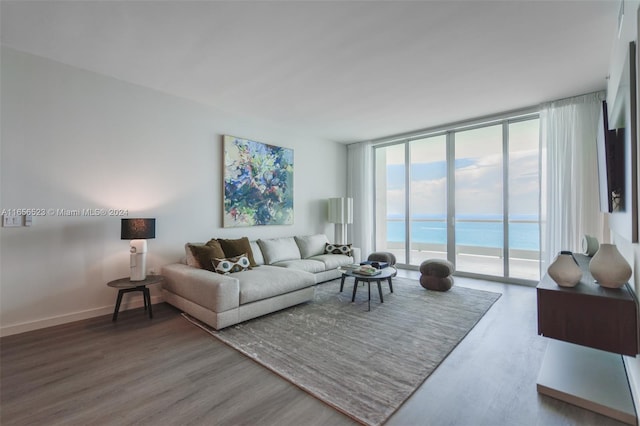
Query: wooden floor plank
column 166, row 371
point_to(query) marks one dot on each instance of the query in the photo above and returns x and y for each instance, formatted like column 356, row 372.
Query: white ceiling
column 338, row 70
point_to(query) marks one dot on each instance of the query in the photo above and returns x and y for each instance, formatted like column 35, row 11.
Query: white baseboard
column 75, row 316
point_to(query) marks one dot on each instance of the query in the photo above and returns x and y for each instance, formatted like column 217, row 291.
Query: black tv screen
column 610, row 147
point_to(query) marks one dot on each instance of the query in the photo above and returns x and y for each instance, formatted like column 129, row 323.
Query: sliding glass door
column 469, row 195
column 524, row 200
column 428, row 199
column 478, row 189
column 391, row 224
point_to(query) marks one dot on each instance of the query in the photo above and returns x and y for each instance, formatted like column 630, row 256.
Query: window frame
column 449, row 131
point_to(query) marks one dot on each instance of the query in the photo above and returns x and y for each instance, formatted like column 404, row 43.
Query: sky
column 478, row 173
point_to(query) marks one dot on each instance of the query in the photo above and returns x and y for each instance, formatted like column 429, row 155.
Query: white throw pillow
column 257, row 253
column 311, row 245
column 279, row 249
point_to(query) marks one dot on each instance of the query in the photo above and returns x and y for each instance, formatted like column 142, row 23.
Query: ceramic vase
column 589, row 245
column 609, row 268
column 565, row 270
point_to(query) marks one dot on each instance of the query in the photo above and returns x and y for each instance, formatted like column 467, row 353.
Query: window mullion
column 505, row 197
column 451, row 207
column 407, row 201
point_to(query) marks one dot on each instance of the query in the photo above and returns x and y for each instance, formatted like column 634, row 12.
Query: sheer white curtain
column 360, row 188
column 569, row 175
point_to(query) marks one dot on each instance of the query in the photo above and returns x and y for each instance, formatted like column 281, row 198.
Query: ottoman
column 384, row 256
column 436, row 274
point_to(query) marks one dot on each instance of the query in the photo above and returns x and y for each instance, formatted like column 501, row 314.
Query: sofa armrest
column 357, row 254
column 216, row 292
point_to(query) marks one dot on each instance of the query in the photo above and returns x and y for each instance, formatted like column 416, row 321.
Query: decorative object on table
column 376, row 264
column 367, row 270
column 609, row 267
column 589, row 245
column 258, row 183
column 436, row 274
column 350, row 268
column 138, row 231
column 341, row 213
column 565, row 270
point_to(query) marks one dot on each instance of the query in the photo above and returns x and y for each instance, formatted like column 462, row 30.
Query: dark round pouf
column 383, row 256
column 436, row 274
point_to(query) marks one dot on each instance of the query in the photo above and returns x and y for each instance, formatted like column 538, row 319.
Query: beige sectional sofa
column 286, row 272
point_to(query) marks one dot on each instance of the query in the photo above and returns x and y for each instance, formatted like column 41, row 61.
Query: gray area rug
column 365, row 364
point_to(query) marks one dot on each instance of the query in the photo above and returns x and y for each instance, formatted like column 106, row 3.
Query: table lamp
column 341, row 213
column 138, row 231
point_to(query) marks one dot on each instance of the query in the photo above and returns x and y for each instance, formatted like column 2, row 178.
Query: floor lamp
column 341, row 213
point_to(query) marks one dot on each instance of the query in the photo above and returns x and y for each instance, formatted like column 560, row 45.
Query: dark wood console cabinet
column 588, row 314
column 589, row 326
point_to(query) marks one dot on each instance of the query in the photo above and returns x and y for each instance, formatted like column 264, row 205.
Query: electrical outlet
column 11, row 221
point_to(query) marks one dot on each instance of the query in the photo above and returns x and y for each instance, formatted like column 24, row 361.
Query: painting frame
column 257, row 183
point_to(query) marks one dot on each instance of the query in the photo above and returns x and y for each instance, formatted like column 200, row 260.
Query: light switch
column 11, row 221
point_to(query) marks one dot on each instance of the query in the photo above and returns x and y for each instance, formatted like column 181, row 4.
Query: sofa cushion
column 190, row 259
column 216, row 292
column 278, row 249
column 307, row 265
column 202, row 255
column 237, row 247
column 231, row 264
column 333, row 261
column 311, row 245
column 257, row 253
column 269, row 281
column 338, row 249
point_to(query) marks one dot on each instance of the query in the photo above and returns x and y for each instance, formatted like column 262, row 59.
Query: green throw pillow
column 205, row 254
column 238, row 247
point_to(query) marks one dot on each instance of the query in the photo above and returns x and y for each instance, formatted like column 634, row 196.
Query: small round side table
column 125, row 285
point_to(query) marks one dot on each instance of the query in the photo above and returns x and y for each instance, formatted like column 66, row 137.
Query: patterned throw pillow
column 232, row 264
column 338, row 249
column 238, row 247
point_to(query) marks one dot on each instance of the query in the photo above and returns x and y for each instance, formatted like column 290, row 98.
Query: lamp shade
column 340, row 210
column 138, row 229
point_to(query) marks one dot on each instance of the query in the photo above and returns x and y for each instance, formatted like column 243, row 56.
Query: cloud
column 478, row 186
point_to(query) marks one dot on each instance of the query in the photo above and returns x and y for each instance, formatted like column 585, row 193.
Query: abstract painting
column 258, row 183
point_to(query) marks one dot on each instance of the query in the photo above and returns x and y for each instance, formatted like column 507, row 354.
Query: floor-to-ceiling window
column 468, row 194
column 478, row 195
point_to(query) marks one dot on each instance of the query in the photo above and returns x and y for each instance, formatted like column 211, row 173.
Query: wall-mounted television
column 611, row 164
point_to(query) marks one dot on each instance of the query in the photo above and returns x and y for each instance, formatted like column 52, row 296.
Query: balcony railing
column 482, row 252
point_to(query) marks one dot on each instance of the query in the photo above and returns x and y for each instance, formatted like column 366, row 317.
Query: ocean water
column 522, row 236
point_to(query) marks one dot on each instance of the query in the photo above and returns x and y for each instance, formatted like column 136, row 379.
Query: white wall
column 73, row 139
column 630, row 251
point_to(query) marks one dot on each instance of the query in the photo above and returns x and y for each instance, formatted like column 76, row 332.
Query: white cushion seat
column 267, row 281
column 307, row 265
column 333, row 261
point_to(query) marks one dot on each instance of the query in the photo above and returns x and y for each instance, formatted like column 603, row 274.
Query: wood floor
column 165, row 371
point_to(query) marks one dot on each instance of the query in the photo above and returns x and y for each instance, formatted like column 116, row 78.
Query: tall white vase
column 609, row 267
column 565, row 270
